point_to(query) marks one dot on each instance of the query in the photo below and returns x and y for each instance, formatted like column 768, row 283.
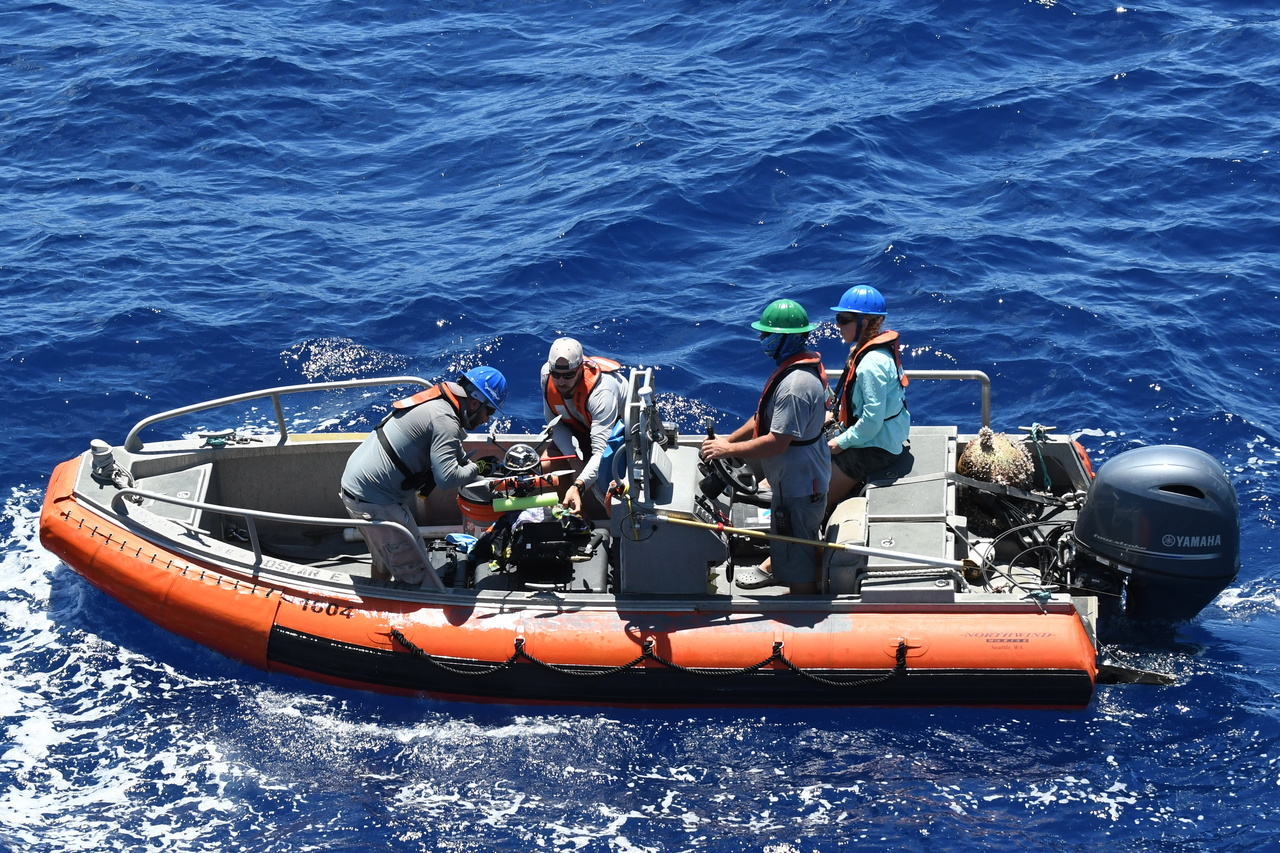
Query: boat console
column 660, row 477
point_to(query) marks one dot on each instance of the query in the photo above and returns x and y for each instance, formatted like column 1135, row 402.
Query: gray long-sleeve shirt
column 604, row 407
column 427, row 434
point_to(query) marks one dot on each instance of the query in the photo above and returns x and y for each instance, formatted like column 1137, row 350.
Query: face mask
column 781, row 347
column 771, row 344
column 471, row 419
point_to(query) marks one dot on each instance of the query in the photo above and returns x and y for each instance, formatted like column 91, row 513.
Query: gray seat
column 905, row 508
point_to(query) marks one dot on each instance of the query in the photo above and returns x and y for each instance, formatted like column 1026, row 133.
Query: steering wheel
column 732, row 471
column 735, row 473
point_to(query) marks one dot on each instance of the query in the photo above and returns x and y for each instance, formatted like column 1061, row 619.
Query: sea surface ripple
column 1077, row 197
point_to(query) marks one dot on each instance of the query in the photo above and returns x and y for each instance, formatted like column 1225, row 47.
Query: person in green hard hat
column 785, row 434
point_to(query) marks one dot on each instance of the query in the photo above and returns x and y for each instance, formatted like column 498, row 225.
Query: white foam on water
column 325, row 359
column 1250, row 600
column 77, row 754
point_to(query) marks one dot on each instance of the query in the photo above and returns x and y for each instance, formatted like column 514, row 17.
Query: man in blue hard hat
column 416, row 448
column 786, row 436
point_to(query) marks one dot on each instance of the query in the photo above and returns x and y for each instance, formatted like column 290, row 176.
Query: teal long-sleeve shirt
column 879, row 404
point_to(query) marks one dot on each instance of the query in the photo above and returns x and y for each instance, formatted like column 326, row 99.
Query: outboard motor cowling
column 1167, row 515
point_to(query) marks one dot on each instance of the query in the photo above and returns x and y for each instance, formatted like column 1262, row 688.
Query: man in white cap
column 588, row 395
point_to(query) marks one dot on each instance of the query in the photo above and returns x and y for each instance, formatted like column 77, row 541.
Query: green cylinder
column 510, row 504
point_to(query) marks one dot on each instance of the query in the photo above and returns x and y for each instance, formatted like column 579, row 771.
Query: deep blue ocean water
column 199, row 199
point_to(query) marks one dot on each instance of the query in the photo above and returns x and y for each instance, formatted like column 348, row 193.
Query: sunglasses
column 846, row 319
column 565, row 374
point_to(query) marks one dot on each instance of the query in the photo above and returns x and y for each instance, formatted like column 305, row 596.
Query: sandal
column 752, row 577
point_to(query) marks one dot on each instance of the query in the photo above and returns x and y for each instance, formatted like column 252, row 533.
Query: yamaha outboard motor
column 1167, row 517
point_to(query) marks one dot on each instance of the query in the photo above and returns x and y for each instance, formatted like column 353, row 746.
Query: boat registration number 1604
column 328, row 608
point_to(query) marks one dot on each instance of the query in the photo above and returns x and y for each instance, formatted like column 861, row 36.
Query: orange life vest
column 843, row 399
column 432, row 393
column 423, row 482
column 592, row 368
column 799, row 361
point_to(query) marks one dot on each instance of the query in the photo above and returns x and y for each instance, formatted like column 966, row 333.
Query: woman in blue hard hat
column 869, row 407
column 417, row 447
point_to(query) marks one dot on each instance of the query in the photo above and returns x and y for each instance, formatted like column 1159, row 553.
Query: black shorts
column 859, row 463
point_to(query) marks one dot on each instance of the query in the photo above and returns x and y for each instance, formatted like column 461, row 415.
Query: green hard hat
column 784, row 317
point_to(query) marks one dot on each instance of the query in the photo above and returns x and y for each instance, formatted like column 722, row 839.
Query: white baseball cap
column 565, row 350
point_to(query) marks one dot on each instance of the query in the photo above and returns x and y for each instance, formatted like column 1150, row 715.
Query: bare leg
column 841, row 485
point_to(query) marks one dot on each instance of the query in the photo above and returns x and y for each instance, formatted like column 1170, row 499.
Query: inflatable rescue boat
column 940, row 585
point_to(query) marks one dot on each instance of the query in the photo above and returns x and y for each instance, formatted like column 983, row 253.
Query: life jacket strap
column 422, row 482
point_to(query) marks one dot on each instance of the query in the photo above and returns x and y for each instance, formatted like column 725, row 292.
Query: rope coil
column 647, row 653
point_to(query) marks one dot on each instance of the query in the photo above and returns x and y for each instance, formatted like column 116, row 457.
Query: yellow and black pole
column 690, row 520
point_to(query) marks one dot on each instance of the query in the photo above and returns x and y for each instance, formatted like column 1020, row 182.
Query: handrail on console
column 976, row 375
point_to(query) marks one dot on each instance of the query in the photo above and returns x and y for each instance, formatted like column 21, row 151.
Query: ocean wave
column 1074, row 198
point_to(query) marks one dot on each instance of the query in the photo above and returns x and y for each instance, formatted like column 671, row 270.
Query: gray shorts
column 801, row 518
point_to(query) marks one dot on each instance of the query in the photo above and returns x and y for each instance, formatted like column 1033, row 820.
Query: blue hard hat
column 861, row 299
column 489, row 383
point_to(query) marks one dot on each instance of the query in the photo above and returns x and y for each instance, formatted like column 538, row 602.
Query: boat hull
column 641, row 651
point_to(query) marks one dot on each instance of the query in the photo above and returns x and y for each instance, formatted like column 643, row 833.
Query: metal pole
column 901, row 556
